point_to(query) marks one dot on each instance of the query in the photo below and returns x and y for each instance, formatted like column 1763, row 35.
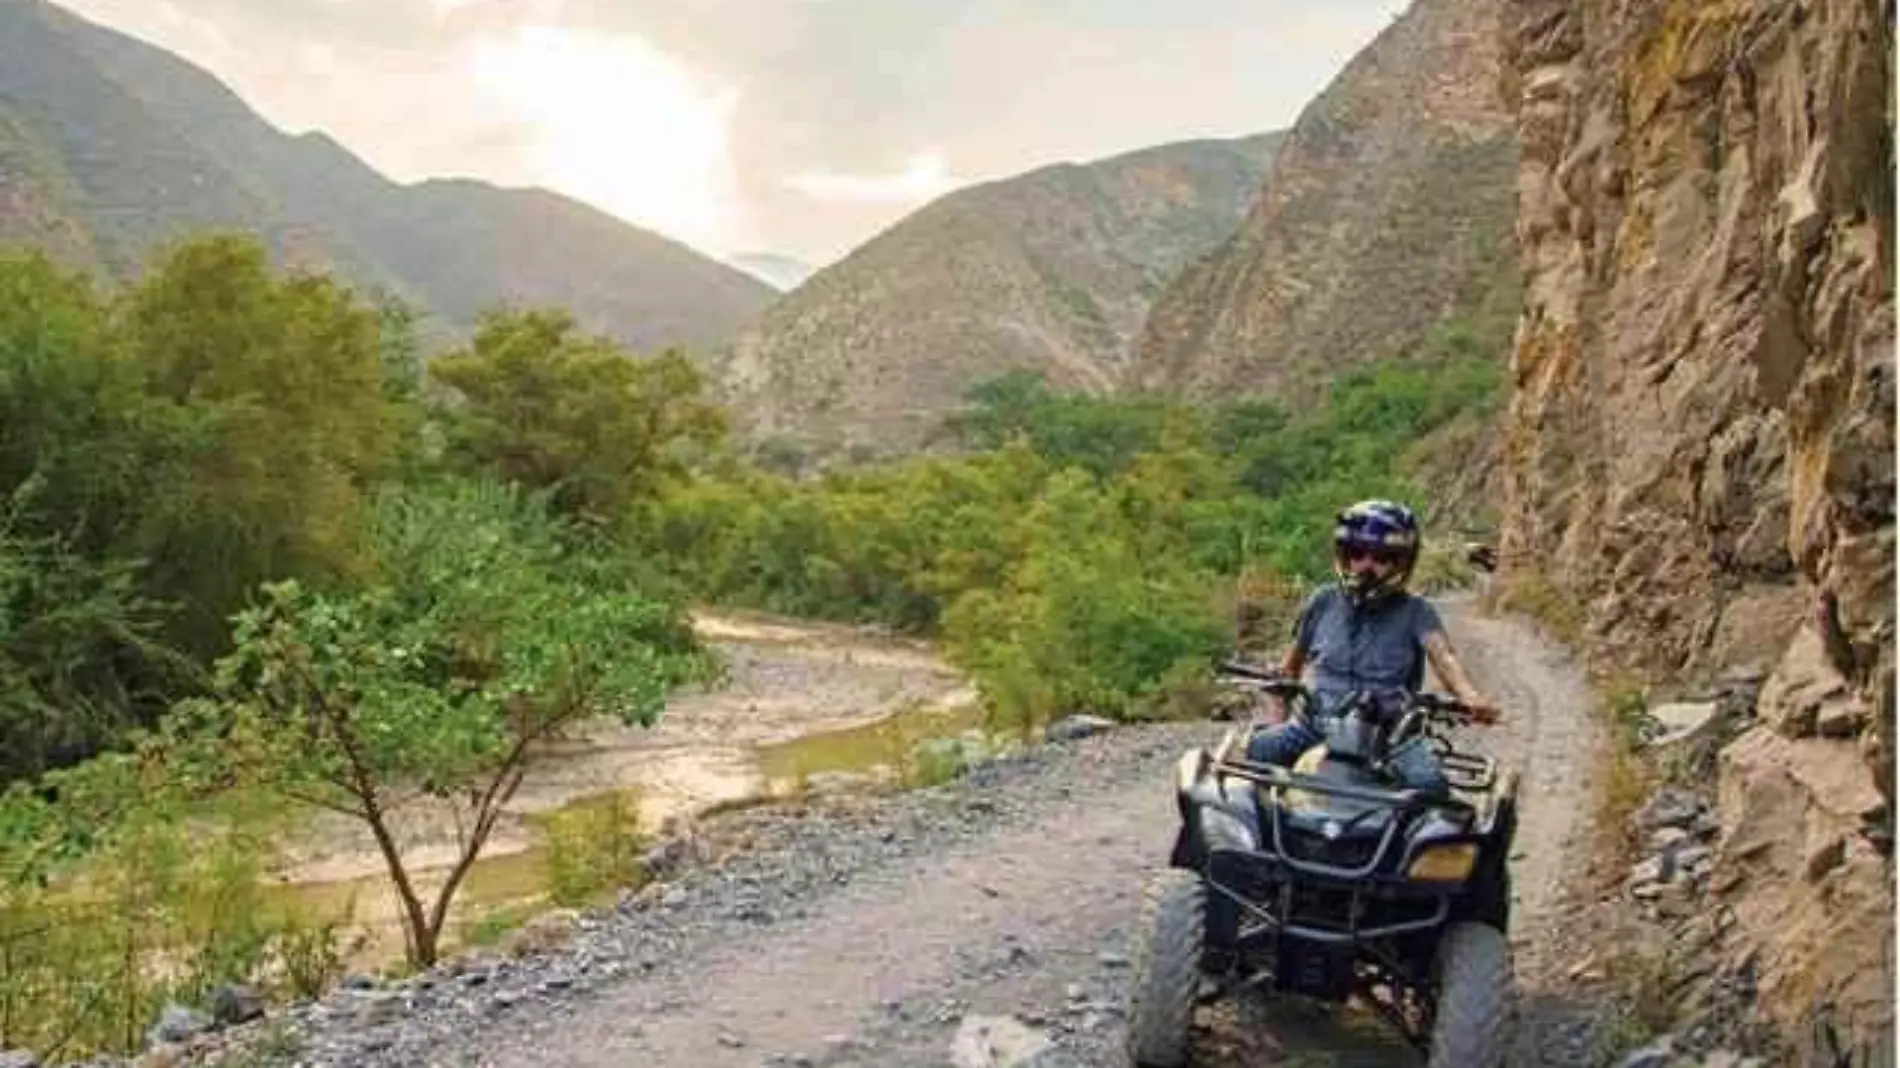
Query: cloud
column 614, row 121
column 794, row 125
column 926, row 175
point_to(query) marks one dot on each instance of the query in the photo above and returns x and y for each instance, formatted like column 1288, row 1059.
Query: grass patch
column 1643, row 983
column 937, row 762
column 488, row 930
column 1644, row 974
column 1543, row 599
column 593, row 849
column 1629, row 778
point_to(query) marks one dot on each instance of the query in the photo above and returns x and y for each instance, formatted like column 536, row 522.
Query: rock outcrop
column 1388, row 207
column 1700, row 448
column 1052, row 271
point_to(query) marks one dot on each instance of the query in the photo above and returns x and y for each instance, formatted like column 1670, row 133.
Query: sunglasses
column 1377, row 556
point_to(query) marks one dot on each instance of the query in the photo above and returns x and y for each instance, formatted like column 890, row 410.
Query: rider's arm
column 1273, row 707
column 1293, row 661
column 1451, row 671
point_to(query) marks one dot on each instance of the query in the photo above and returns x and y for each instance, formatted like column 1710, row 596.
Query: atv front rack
column 1400, row 802
column 1228, row 874
column 1468, row 771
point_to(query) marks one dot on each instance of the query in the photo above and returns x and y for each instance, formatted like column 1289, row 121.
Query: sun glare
column 619, row 124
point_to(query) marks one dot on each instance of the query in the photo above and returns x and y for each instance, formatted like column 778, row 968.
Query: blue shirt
column 1377, row 646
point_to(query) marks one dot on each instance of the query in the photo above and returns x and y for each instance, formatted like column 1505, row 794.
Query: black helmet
column 1387, row 530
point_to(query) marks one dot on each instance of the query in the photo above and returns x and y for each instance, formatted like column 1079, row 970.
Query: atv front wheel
column 1473, row 970
column 1167, row 968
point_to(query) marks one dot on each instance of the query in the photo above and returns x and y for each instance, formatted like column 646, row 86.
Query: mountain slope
column 1389, row 205
column 1051, row 270
column 109, row 146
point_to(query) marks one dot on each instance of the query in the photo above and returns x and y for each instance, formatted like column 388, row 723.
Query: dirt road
column 893, row 932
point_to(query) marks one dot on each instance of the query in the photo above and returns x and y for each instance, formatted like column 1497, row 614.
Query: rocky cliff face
column 1700, row 446
column 1388, row 207
column 1051, row 271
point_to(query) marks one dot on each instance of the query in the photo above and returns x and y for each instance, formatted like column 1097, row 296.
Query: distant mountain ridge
column 109, row 146
column 1049, row 271
column 1391, row 204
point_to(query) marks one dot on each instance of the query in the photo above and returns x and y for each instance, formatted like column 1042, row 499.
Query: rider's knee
column 1261, row 748
column 1274, row 745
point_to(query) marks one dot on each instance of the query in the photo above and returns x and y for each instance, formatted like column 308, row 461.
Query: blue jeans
column 1413, row 762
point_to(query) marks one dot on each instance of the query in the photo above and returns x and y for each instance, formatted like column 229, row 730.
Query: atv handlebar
column 1449, row 707
column 1248, row 671
column 1276, row 683
column 1265, row 680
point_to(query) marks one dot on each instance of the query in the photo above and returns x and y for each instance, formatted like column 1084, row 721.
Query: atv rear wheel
column 1167, row 968
column 1473, row 972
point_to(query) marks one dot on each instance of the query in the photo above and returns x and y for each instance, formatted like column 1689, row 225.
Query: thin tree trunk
column 422, row 941
column 501, row 789
column 499, row 792
column 421, row 936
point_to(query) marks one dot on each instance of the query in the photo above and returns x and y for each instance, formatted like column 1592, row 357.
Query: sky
column 800, row 127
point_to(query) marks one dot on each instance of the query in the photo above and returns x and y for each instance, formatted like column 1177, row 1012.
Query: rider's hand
column 1482, row 711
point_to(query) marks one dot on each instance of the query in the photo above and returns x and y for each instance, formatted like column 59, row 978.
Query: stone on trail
column 995, row 1042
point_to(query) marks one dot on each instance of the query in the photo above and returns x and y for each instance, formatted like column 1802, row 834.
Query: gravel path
column 877, row 931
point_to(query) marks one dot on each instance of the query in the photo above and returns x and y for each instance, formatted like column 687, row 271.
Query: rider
column 1367, row 632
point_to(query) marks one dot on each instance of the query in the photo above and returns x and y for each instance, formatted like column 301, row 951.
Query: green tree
column 481, row 637
column 79, row 646
column 276, row 386
column 416, row 444
column 83, row 649
column 549, row 408
column 1098, row 435
column 1083, row 620
column 74, row 415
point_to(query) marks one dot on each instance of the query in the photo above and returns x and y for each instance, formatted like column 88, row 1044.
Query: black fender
column 1189, row 851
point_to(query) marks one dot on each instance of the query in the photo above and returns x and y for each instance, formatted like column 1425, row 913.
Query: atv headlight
column 1221, row 829
column 1445, row 863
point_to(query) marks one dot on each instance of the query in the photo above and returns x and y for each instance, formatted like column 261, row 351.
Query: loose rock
column 995, row 1042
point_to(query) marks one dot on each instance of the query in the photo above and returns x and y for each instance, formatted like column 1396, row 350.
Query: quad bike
column 1328, row 882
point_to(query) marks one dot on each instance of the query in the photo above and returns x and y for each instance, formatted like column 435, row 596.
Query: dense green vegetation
column 1083, row 551
column 256, row 559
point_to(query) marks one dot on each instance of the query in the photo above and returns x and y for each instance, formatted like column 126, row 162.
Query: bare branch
column 317, row 801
